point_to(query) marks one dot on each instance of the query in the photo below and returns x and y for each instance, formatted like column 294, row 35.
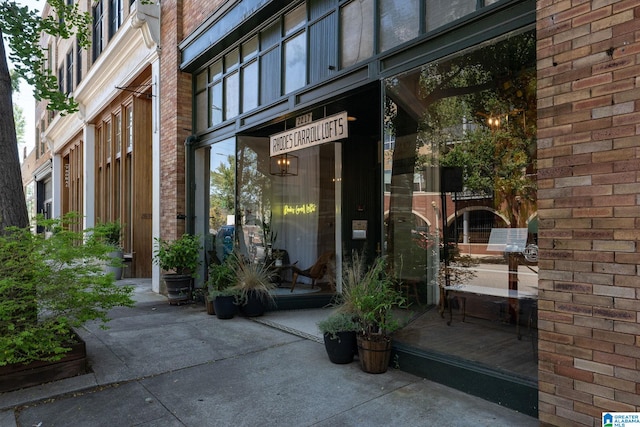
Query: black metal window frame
column 78, row 64
column 115, row 16
column 97, row 40
column 316, row 12
column 69, row 72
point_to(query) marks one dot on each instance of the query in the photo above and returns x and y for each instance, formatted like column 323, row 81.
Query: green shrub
column 221, row 279
column 338, row 322
column 109, row 233
column 49, row 286
column 181, row 255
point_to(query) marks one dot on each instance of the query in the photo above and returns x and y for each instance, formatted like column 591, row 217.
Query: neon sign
column 302, row 209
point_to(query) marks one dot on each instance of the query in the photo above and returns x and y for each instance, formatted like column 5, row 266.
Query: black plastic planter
column 225, row 307
column 340, row 349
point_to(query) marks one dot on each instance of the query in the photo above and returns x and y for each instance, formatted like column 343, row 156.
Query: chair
column 315, row 272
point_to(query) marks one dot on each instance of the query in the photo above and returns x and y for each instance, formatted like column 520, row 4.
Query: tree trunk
column 13, row 207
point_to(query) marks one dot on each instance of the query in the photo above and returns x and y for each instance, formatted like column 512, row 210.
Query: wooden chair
column 315, row 272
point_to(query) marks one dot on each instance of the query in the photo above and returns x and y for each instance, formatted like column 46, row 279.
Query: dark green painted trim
column 519, row 394
column 299, row 302
column 487, row 25
column 236, row 22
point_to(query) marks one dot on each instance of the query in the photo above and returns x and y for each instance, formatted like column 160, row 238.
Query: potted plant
column 110, row 233
column 253, row 283
column 220, row 293
column 373, row 298
column 339, row 333
column 182, row 257
column 339, row 329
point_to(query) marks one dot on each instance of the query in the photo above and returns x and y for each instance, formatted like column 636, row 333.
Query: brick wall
column 179, row 19
column 175, row 118
column 197, row 11
column 589, row 208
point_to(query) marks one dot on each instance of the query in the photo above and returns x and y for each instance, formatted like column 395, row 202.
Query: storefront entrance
column 307, row 208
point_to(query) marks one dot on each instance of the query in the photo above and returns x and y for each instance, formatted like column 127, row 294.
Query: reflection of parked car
column 224, row 241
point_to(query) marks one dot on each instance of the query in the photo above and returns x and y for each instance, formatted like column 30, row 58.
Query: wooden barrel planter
column 374, row 354
column 20, row 375
column 208, row 303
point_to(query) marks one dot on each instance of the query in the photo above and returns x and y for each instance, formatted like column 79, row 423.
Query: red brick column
column 589, row 209
column 175, row 119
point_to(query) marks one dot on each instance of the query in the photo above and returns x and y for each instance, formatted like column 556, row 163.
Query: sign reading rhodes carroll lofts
column 329, row 129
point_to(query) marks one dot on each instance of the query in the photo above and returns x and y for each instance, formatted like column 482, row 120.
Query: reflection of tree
column 222, row 192
column 438, row 116
column 254, row 184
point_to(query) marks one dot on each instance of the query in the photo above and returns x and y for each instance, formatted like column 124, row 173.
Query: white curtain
column 295, row 206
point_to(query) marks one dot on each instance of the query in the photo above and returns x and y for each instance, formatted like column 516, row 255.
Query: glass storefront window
column 356, row 32
column 232, row 95
column 220, row 203
column 250, row 86
column 460, row 202
column 250, row 49
column 441, row 12
column 295, row 19
column 295, row 60
column 215, row 71
column 215, row 102
column 291, row 212
column 202, row 119
column 396, row 25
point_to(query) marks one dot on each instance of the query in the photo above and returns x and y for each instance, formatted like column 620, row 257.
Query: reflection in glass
column 215, row 103
column 232, row 95
column 250, row 86
column 396, row 25
column 250, row 49
column 295, row 57
column 295, row 19
column 202, row 120
column 440, row 12
column 221, row 200
column 475, row 111
column 356, row 32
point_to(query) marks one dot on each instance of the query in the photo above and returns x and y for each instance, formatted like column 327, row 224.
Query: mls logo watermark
column 621, row 419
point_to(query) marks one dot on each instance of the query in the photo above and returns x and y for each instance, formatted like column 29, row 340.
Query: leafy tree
column 22, row 28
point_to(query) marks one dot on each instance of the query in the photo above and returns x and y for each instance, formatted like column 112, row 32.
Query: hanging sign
column 329, row 129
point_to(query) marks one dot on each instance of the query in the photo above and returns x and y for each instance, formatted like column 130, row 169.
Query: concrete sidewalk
column 163, row 365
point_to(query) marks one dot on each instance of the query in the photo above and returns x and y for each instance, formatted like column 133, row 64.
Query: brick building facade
column 588, row 159
column 589, row 206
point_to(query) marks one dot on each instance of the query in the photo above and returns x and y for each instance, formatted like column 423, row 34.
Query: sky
column 24, row 98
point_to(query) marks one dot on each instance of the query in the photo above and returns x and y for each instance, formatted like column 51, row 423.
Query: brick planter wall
column 589, row 208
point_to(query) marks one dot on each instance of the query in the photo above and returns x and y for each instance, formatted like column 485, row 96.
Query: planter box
column 19, row 375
